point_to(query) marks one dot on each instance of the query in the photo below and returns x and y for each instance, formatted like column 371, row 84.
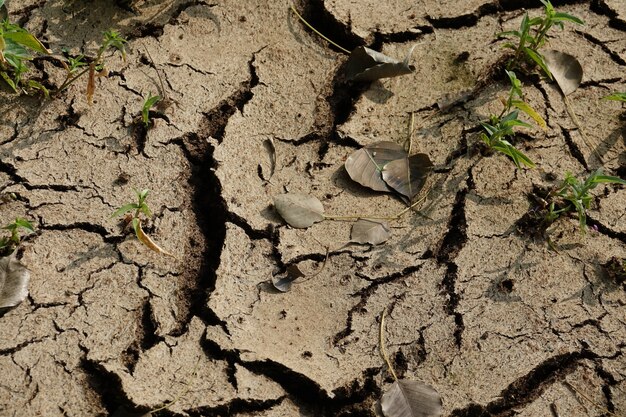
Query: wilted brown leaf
column 365, row 165
column 365, row 64
column 406, row 398
column 565, row 69
column 14, row 277
column 370, row 232
column 299, row 210
column 408, row 175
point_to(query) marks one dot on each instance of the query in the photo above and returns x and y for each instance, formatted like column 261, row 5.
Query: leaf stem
column 383, row 350
column 293, row 9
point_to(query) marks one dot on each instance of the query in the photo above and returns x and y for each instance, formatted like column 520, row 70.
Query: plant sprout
column 148, row 103
column 135, row 219
column 9, row 243
column 498, row 128
column 616, row 97
column 532, row 35
column 16, row 47
column 573, row 195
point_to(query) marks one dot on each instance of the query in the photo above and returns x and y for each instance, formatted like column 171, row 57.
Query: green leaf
column 145, row 209
column 38, row 86
column 147, row 105
column 616, row 97
column 24, row 38
column 564, row 17
column 125, row 208
column 526, row 108
column 24, row 224
column 538, row 59
column 8, row 80
column 608, row 179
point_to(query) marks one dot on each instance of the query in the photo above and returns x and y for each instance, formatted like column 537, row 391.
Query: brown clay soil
column 479, row 306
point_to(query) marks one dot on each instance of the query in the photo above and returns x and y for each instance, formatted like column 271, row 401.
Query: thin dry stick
column 183, row 393
column 598, row 406
column 383, row 350
column 587, row 141
column 409, row 141
column 318, row 32
column 391, row 218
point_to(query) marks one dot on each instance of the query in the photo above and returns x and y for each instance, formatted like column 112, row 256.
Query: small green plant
column 573, row 195
column 148, row 103
column 532, row 35
column 135, row 219
column 80, row 65
column 499, row 127
column 9, row 243
column 16, row 49
column 616, row 97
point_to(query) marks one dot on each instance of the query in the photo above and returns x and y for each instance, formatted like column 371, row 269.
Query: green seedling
column 616, row 97
column 148, row 103
column 9, row 243
column 532, row 35
column 17, row 46
column 573, row 195
column 139, row 208
column 80, row 65
column 499, row 127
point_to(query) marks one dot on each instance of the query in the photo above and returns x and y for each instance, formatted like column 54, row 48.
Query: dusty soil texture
column 479, row 307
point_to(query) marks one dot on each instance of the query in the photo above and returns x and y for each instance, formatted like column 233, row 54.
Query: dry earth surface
column 492, row 317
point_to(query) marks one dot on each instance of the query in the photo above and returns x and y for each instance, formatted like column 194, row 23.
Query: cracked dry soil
column 495, row 320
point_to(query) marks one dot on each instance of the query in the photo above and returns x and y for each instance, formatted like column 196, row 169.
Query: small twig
column 383, row 350
column 598, row 406
column 391, row 218
column 317, row 32
column 409, row 141
column 182, row 394
column 586, row 139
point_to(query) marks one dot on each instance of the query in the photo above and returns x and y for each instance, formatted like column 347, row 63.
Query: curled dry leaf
column 365, row 64
column 146, row 240
column 14, row 277
column 365, row 165
column 299, row 210
column 370, row 232
column 268, row 144
column 282, row 282
column 408, row 175
column 406, row 398
column 565, row 69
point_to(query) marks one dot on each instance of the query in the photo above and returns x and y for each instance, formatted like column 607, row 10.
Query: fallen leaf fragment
column 283, row 282
column 365, row 165
column 146, row 240
column 14, row 277
column 268, row 144
column 565, row 69
column 406, row 398
column 365, row 64
column 299, row 210
column 408, row 175
column 370, row 232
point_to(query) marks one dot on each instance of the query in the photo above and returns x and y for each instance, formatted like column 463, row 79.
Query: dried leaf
column 146, row 240
column 14, row 277
column 408, row 175
column 365, row 64
column 408, row 398
column 365, row 165
column 370, row 231
column 268, row 144
column 282, row 282
column 299, row 210
column 565, row 69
